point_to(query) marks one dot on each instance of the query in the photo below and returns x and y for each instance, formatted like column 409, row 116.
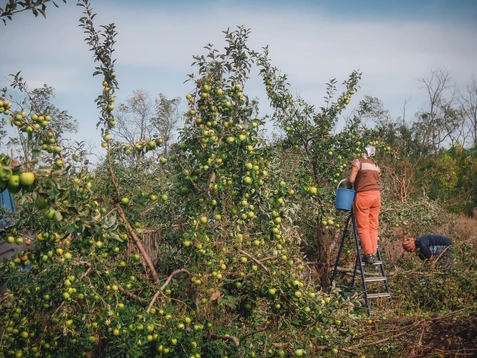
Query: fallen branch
column 227, row 338
column 86, row 273
column 347, row 350
column 58, row 308
column 164, row 286
column 255, row 260
column 388, row 331
column 110, row 312
column 137, row 242
column 131, row 295
column 389, row 337
column 378, row 341
column 254, row 332
column 350, row 272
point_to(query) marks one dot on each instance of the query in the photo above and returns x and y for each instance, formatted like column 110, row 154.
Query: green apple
column 247, row 180
column 27, row 178
column 14, row 183
column 299, row 352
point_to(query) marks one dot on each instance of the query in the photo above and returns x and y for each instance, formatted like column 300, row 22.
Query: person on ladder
column 364, row 176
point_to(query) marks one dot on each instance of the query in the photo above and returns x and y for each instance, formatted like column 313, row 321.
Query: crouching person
column 433, row 248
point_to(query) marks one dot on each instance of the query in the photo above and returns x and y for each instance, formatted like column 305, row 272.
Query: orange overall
column 367, row 202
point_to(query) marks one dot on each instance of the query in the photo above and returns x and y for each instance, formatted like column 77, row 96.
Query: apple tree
column 240, row 250
column 238, row 284
column 320, row 156
column 36, row 102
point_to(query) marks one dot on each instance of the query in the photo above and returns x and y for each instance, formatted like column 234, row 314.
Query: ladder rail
column 340, row 249
column 383, row 273
column 359, row 261
column 359, row 264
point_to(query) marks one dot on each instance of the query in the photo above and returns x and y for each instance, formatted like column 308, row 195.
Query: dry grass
column 448, row 335
column 461, row 229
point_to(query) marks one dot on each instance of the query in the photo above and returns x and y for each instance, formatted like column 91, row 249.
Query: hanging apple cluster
column 145, row 145
column 5, row 106
column 12, row 178
column 36, row 125
column 29, row 125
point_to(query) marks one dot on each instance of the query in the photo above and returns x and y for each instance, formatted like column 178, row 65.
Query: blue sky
column 393, row 43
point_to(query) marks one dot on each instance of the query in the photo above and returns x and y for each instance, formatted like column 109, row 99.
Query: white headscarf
column 370, row 151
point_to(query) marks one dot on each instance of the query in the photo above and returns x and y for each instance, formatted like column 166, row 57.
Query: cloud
column 66, row 77
column 310, row 45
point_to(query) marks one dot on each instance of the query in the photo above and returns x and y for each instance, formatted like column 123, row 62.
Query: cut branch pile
column 450, row 335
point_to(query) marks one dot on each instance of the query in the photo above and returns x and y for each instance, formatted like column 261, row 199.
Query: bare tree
column 166, row 118
column 134, row 118
column 142, row 119
column 469, row 109
column 441, row 119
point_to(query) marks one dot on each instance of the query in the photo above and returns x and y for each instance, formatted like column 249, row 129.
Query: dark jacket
column 432, row 245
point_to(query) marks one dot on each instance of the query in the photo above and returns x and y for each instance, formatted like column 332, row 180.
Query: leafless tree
column 134, row 118
column 469, row 109
column 166, row 119
column 440, row 120
column 142, row 118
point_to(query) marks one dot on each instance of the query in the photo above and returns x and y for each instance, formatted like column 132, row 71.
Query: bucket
column 344, row 198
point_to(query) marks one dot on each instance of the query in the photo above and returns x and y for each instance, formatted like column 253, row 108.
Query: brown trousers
column 366, row 206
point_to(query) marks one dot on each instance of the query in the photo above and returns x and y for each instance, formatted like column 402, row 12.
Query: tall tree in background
column 167, row 118
column 134, row 117
column 469, row 109
column 141, row 119
column 441, row 119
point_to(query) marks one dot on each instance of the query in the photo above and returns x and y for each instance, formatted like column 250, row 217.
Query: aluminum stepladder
column 359, row 266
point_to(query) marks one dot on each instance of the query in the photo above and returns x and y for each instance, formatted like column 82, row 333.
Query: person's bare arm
column 432, row 262
column 352, row 176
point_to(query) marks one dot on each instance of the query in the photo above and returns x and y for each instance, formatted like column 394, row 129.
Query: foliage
column 37, row 7
column 239, row 278
column 142, row 121
column 243, row 230
column 36, row 112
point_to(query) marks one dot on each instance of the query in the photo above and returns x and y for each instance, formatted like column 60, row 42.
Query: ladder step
column 378, row 295
column 376, row 263
column 7, row 251
column 375, row 279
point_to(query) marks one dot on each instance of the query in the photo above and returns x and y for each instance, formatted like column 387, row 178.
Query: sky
column 394, row 43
